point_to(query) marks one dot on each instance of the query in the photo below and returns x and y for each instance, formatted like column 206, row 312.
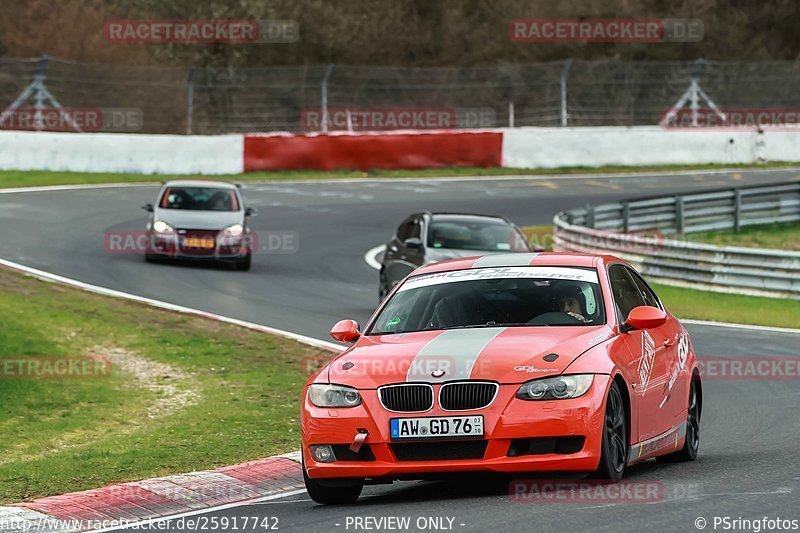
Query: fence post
column 511, row 114
column 564, row 72
column 679, row 216
column 626, row 217
column 590, row 216
column 324, row 90
column 189, row 100
column 737, row 209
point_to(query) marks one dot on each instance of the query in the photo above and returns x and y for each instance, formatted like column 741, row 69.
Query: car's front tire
column 614, row 455
column 692, row 444
column 331, row 494
column 244, row 264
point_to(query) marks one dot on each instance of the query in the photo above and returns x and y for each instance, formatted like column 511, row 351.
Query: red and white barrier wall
column 511, row 147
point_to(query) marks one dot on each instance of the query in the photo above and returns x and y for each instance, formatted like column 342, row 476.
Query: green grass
column 202, row 394
column 704, row 305
column 720, row 307
column 785, row 236
column 31, row 178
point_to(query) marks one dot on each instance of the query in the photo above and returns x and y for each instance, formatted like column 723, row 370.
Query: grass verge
column 183, row 393
column 785, row 236
column 703, row 305
column 33, row 178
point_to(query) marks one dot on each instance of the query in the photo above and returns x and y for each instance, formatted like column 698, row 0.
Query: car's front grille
column 439, row 451
column 407, row 398
column 467, row 395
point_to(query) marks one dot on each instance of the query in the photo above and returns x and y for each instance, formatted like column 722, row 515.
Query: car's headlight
column 234, row 231
column 159, row 226
column 556, row 388
column 333, row 396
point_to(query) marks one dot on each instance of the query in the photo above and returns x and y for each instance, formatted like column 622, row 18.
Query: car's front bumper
column 505, row 420
column 168, row 246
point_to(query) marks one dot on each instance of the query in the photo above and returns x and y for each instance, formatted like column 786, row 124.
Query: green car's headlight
column 556, row 388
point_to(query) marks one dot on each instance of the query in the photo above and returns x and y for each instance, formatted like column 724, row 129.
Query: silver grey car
column 200, row 220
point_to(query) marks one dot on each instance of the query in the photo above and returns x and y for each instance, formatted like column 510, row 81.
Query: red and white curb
column 118, row 506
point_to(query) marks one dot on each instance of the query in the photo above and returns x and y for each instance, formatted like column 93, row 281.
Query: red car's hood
column 506, row 355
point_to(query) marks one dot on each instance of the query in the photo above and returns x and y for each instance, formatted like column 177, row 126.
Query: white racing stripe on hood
column 502, row 260
column 454, row 351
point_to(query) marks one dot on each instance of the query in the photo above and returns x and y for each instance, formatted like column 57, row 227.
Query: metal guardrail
column 635, row 231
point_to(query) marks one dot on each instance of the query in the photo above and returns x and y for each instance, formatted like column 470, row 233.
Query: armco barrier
column 411, row 150
column 619, row 229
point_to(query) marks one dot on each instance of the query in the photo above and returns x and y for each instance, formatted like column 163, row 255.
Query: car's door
column 400, row 258
column 675, row 391
column 647, row 367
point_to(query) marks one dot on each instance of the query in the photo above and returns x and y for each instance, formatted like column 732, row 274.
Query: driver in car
column 568, row 302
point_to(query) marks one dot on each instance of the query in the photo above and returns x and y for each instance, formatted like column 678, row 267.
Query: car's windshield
column 199, row 199
column 487, row 297
column 471, row 234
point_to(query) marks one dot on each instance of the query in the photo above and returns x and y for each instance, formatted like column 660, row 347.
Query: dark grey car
column 200, row 220
column 428, row 237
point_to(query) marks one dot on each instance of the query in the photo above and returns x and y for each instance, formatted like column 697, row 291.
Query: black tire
column 614, row 456
column 150, row 258
column 331, row 494
column 244, row 265
column 692, row 444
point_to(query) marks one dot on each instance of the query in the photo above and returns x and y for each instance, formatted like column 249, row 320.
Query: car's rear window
column 472, row 234
column 199, row 199
column 489, row 297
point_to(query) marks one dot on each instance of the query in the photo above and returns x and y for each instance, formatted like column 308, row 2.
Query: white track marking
column 141, row 524
column 47, row 276
column 49, row 188
column 739, row 326
column 371, row 257
column 510, row 177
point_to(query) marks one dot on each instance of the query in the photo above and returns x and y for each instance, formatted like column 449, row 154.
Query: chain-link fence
column 212, row 100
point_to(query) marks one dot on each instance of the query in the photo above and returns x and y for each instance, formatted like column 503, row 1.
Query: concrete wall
column 641, row 145
column 121, row 152
column 510, row 147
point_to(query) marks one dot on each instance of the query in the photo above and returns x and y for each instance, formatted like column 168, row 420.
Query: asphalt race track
column 748, row 465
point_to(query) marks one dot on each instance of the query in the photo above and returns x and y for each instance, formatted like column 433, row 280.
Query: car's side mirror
column 646, row 317
column 250, row 212
column 345, row 331
column 148, row 207
column 413, row 243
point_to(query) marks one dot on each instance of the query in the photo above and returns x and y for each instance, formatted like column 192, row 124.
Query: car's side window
column 416, row 230
column 626, row 293
column 647, row 293
column 406, row 229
